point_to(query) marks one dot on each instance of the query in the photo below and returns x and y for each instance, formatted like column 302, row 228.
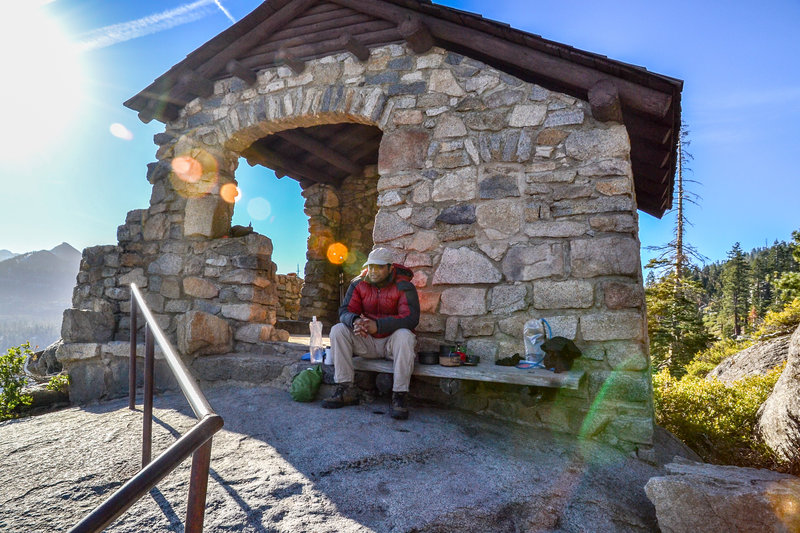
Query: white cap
column 379, row 256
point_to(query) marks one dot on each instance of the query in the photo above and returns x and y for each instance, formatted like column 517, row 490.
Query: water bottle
column 534, row 336
column 315, row 349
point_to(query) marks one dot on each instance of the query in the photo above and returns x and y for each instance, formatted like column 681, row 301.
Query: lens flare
column 195, row 173
column 337, row 253
column 230, row 193
column 785, row 503
column 259, row 208
column 121, row 132
column 354, row 262
column 187, row 169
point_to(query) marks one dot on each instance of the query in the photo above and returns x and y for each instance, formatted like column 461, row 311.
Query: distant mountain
column 38, row 284
column 67, row 253
column 6, row 254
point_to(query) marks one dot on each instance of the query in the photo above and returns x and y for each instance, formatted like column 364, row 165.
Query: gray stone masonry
column 289, row 287
column 509, row 201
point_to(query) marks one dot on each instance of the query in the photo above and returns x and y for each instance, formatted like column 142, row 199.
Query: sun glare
column 44, row 99
column 230, row 193
column 120, row 132
column 187, row 169
column 337, row 253
column 259, row 208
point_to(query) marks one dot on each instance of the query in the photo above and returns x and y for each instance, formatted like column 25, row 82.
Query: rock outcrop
column 44, row 362
column 701, row 497
column 779, row 417
column 757, row 359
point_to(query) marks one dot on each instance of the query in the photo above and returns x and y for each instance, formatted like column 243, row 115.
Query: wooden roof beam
column 354, row 46
column 646, row 129
column 633, row 95
column 604, row 101
column 234, row 68
column 282, row 57
column 650, row 205
column 148, row 112
column 646, row 168
column 416, row 34
column 323, row 47
column 195, row 84
column 253, row 37
column 320, row 150
column 655, row 155
column 650, row 185
column 270, row 158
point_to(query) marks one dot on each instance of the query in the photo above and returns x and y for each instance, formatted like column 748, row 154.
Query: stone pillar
column 320, row 293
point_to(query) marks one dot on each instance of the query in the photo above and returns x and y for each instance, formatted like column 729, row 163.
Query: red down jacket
column 393, row 306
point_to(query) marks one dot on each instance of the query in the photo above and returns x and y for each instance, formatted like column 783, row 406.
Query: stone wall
column 336, row 215
column 508, row 200
column 288, row 287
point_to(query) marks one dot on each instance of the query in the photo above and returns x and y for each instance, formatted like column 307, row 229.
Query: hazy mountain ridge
column 38, row 284
column 6, row 254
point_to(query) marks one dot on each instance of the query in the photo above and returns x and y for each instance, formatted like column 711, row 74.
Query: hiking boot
column 345, row 394
column 400, row 405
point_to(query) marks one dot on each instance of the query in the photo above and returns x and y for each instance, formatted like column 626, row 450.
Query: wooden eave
column 290, row 32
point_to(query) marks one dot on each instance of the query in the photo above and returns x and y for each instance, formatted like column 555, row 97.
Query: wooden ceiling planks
column 317, row 154
column 296, row 39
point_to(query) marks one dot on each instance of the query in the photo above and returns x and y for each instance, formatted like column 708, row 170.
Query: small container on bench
column 451, row 359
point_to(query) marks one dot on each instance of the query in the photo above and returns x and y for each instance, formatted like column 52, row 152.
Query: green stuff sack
column 306, row 384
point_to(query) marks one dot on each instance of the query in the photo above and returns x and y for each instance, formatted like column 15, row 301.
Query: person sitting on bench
column 377, row 319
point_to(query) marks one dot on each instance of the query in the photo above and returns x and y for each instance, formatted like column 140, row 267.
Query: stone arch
column 340, row 213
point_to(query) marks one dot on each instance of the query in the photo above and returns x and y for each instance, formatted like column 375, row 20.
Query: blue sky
column 66, row 177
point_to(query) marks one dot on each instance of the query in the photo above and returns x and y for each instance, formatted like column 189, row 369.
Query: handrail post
column 147, row 422
column 132, row 365
column 198, row 487
column 197, row 441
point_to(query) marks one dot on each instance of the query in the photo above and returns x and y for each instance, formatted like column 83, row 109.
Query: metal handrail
column 196, row 442
column 188, row 385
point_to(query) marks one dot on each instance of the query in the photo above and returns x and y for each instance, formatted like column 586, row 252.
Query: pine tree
column 677, row 254
column 788, row 280
column 735, row 288
column 762, row 289
column 675, row 323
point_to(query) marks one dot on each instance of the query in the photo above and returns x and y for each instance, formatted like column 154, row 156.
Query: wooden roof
column 320, row 154
column 289, row 32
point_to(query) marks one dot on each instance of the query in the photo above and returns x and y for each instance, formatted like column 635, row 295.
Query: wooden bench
column 535, row 377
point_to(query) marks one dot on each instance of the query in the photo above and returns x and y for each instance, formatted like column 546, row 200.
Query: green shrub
column 705, row 361
column 782, row 322
column 715, row 419
column 12, row 381
column 59, row 383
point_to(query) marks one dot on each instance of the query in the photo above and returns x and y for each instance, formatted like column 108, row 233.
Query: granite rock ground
column 278, row 465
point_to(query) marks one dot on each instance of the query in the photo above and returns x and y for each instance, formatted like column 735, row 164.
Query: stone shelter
column 505, row 169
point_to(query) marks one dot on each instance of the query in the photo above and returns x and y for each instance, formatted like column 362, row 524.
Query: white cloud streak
column 225, row 11
column 125, row 31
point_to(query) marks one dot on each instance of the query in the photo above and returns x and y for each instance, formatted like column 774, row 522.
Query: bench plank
column 537, row 377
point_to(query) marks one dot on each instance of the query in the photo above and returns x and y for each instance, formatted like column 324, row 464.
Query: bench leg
column 450, row 386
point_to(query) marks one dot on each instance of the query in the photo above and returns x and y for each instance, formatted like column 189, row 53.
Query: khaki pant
column 397, row 347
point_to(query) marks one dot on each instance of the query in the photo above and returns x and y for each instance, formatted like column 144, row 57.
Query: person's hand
column 364, row 326
column 358, row 328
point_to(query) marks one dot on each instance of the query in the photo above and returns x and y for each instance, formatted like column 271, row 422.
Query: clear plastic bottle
column 315, row 349
column 534, row 336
